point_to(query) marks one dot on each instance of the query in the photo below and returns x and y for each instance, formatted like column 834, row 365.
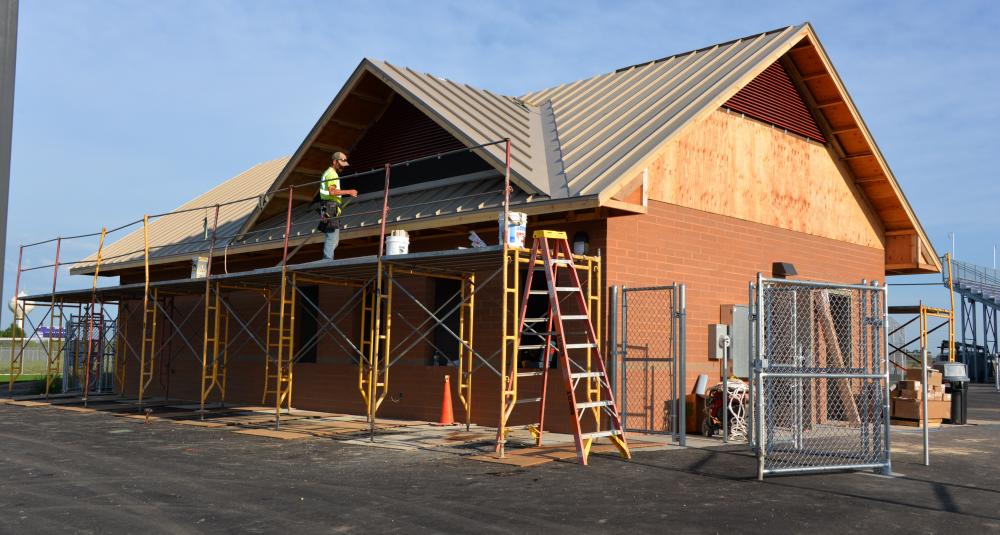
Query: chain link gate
column 820, row 391
column 652, row 366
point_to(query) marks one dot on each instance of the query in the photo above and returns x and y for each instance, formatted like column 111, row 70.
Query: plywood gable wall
column 738, row 167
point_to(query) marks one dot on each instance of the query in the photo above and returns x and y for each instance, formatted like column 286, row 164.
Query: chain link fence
column 96, row 333
column 651, row 375
column 821, row 379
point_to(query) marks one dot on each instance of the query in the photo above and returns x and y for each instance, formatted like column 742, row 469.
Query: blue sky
column 129, row 107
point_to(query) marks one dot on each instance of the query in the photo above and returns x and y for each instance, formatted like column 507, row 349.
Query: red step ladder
column 572, row 339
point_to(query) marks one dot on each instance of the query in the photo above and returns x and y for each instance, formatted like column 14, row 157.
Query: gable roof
column 587, row 139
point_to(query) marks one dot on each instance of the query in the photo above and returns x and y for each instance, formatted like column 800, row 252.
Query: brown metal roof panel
column 646, row 131
column 177, row 233
column 652, row 98
column 623, row 86
column 634, row 95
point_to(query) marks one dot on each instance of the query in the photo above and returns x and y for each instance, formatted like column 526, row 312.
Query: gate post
column 613, row 342
column 681, row 358
column 623, row 376
column 758, row 367
column 752, row 356
column 885, row 367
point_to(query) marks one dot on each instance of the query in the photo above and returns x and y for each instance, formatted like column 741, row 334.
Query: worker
column 331, row 203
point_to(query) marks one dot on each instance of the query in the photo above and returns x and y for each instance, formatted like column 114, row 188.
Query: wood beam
column 828, row 103
column 327, row 148
column 815, row 76
column 845, row 129
column 369, row 98
column 857, row 156
column 349, row 124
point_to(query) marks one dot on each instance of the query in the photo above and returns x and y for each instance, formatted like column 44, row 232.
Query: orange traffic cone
column 447, row 416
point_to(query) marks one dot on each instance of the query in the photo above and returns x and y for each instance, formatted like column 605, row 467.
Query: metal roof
column 438, row 199
column 184, row 233
column 574, row 141
column 609, row 123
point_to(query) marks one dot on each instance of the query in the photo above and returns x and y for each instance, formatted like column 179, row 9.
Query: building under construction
column 675, row 182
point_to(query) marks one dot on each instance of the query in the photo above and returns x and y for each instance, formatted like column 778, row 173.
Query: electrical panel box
column 737, row 317
column 716, row 333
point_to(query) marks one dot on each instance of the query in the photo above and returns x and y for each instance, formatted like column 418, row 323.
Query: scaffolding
column 925, row 316
column 978, row 288
column 376, row 286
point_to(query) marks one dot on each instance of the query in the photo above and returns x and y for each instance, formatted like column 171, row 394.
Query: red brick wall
column 716, row 257
column 330, row 384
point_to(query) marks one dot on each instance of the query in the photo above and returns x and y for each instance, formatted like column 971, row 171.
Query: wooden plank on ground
column 271, row 433
column 73, row 408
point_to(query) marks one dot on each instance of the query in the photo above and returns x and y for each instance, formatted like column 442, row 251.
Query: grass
column 24, row 377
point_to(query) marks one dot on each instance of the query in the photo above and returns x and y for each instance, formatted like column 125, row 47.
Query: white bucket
column 517, row 228
column 397, row 243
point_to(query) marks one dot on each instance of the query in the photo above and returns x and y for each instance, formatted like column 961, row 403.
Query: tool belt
column 327, row 222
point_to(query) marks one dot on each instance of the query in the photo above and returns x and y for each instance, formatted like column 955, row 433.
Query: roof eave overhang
column 927, row 260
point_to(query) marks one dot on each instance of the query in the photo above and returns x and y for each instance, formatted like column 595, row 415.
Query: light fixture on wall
column 782, row 270
column 581, row 243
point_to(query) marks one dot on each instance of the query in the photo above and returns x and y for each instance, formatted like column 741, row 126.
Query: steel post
column 613, row 342
column 924, row 403
column 682, row 367
column 725, row 393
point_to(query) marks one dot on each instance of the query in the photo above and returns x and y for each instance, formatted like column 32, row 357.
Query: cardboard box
column 933, row 376
column 905, row 393
column 910, row 385
column 913, row 409
column 694, row 407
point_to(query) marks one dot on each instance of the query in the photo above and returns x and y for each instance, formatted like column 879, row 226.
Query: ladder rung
column 538, row 292
column 534, row 346
column 536, row 320
column 582, row 375
column 528, row 400
column 599, row 434
column 530, row 374
column 575, row 317
column 567, row 288
column 592, row 404
column 539, row 333
column 581, row 346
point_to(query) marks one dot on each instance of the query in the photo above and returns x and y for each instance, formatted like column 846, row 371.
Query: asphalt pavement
column 71, row 472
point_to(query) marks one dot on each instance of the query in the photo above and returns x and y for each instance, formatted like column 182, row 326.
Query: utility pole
column 8, row 54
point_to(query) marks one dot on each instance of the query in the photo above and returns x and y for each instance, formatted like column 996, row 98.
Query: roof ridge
column 444, row 78
column 704, row 48
column 526, row 96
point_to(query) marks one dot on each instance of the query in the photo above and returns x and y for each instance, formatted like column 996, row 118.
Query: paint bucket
column 701, row 384
column 517, row 228
column 397, row 243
